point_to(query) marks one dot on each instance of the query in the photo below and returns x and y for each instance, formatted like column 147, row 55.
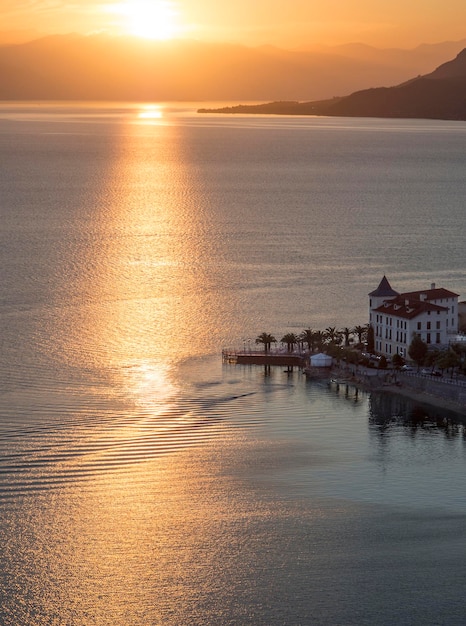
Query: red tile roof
column 408, row 308
column 431, row 294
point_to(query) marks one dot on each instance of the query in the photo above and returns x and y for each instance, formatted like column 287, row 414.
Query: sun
column 151, row 20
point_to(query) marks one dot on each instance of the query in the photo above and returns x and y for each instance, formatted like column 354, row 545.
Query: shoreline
column 400, row 388
column 364, row 378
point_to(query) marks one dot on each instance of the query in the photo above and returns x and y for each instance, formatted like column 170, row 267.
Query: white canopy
column 321, row 360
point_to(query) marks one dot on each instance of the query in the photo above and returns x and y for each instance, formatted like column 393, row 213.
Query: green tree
column 383, row 362
column 448, row 359
column 291, row 340
column 337, row 352
column 267, row 340
column 350, row 356
column 398, row 361
column 370, row 339
column 431, row 358
column 460, row 350
column 417, row 350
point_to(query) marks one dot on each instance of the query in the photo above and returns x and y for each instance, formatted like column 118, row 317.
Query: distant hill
column 100, row 67
column 438, row 95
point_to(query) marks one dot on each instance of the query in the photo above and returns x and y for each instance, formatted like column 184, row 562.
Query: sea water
column 142, row 481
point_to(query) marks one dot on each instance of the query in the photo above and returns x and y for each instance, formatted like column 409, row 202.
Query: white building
column 397, row 317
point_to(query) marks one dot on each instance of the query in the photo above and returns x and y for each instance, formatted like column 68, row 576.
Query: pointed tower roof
column 384, row 290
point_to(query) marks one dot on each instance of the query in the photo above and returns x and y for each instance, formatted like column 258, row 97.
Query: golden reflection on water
column 155, row 270
column 150, row 112
column 144, row 278
column 147, row 379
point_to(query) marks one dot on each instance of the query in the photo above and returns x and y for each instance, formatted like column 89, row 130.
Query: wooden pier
column 252, row 357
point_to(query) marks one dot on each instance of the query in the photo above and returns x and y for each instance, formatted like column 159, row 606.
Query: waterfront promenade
column 440, row 391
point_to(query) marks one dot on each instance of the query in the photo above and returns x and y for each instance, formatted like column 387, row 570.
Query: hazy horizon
column 18, row 38
column 132, row 68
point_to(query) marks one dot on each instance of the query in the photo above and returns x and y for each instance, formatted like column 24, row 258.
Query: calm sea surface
column 142, row 481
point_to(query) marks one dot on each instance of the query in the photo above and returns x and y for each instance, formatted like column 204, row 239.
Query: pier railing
column 260, row 357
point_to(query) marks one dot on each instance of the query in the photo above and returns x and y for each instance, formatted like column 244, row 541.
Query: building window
column 437, row 340
column 428, row 338
column 428, row 325
column 437, row 325
column 419, row 325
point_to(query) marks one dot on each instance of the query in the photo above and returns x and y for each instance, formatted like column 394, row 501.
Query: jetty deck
column 259, row 357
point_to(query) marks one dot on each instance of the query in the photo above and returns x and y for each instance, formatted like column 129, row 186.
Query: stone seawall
column 448, row 391
column 442, row 392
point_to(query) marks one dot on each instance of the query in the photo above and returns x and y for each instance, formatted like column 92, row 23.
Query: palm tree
column 332, row 336
column 346, row 332
column 319, row 339
column 308, row 336
column 267, row 340
column 361, row 332
column 291, row 340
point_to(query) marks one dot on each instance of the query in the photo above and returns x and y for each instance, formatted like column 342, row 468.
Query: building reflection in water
column 388, row 411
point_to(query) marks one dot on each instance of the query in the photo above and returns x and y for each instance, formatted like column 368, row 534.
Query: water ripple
column 53, row 445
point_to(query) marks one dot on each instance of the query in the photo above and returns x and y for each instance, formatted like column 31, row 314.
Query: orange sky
column 295, row 23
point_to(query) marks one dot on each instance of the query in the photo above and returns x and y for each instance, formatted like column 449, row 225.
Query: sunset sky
column 291, row 24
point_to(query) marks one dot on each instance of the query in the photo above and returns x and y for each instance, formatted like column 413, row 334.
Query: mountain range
column 438, row 95
column 100, row 67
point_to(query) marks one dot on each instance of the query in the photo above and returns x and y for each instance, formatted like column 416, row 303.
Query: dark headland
column 438, row 95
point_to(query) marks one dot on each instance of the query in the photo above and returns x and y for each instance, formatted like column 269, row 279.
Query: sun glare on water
column 151, row 20
column 150, row 113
